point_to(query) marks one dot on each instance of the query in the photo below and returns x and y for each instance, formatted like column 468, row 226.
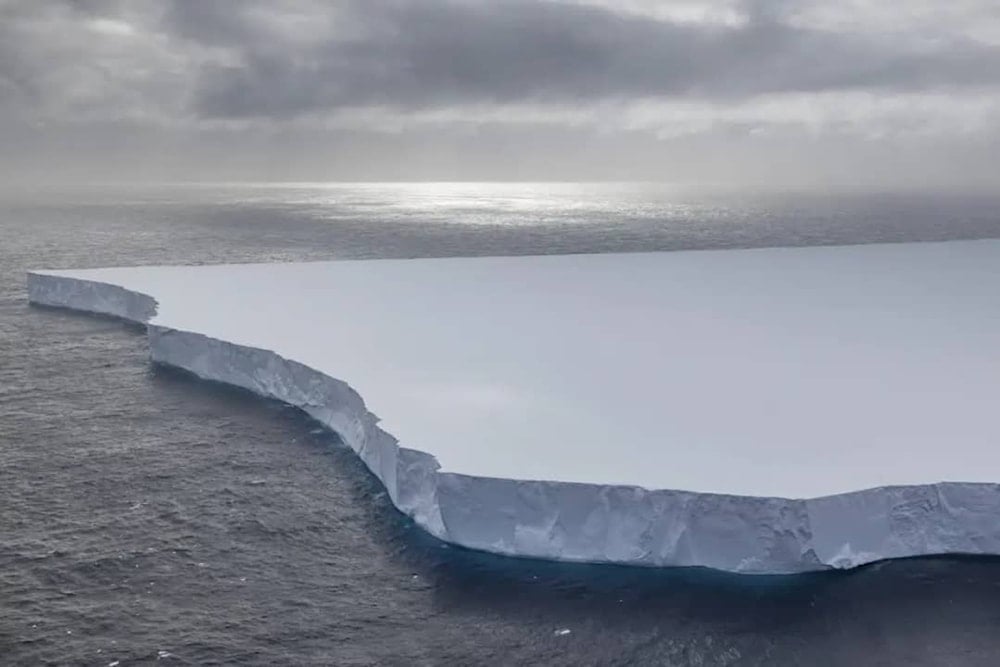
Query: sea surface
column 147, row 517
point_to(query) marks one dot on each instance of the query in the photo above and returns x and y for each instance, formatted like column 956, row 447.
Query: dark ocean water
column 149, row 517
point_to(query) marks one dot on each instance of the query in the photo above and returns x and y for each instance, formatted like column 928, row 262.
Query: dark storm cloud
column 434, row 53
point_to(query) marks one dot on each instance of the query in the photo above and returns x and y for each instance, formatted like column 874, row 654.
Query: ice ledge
column 575, row 521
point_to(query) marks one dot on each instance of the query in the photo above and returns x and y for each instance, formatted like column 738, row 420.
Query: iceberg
column 763, row 411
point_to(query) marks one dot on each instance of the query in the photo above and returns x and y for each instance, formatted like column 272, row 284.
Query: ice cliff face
column 575, row 521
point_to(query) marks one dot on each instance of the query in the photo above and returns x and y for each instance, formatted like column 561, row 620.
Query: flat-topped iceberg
column 774, row 410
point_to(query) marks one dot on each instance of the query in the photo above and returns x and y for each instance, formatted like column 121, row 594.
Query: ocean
column 149, row 517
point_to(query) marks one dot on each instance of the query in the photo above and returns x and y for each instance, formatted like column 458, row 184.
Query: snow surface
column 767, row 375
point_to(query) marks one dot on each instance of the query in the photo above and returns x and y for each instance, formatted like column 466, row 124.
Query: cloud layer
column 926, row 70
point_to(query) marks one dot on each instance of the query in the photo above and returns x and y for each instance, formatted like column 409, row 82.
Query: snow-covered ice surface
column 769, row 410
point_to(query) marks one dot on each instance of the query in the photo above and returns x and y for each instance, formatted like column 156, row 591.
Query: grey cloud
column 441, row 53
column 56, row 66
column 233, row 24
column 135, row 87
column 436, row 53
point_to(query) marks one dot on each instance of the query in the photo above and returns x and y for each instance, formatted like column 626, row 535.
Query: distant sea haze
column 146, row 515
column 283, row 221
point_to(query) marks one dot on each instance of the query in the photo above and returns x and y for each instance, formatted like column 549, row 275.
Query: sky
column 744, row 93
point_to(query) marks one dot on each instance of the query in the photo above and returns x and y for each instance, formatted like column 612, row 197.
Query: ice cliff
column 593, row 513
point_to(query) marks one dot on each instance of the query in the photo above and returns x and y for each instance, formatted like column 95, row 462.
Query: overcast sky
column 857, row 93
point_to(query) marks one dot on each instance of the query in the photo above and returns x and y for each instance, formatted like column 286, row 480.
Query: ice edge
column 567, row 520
